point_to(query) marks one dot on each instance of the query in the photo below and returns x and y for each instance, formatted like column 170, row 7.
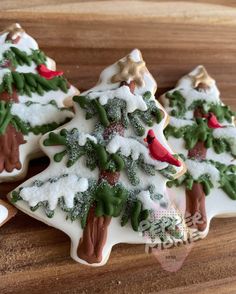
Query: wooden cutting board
column 84, row 37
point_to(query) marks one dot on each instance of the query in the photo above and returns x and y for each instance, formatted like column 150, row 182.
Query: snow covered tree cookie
column 106, row 183
column 32, row 100
column 202, row 129
column 7, row 211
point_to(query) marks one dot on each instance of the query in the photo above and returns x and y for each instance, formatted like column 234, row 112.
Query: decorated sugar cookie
column 32, row 100
column 202, row 129
column 106, row 183
column 7, row 211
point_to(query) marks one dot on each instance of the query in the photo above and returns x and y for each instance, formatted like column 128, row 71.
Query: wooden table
column 84, row 37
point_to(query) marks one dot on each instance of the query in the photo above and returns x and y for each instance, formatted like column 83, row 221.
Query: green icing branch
column 168, row 172
column 178, row 102
column 227, row 178
column 110, row 199
column 28, row 83
column 7, row 118
column 72, row 148
column 199, row 131
column 82, row 204
column 17, row 57
column 222, row 112
column 80, row 209
column 227, row 182
column 115, row 111
column 152, row 227
column 97, row 156
column 138, row 214
column 187, row 180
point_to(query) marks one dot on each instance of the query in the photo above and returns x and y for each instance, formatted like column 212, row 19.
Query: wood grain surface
column 84, row 37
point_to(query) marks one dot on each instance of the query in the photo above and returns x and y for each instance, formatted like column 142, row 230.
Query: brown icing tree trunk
column 10, row 141
column 195, row 198
column 94, row 237
column 95, row 232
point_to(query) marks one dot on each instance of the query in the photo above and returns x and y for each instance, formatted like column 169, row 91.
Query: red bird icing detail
column 158, row 151
column 212, row 121
column 47, row 73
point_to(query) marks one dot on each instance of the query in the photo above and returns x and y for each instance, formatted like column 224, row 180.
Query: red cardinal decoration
column 212, row 121
column 47, row 73
column 158, row 151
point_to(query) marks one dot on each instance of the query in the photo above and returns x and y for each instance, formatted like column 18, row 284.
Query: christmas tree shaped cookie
column 202, row 130
column 109, row 166
column 32, row 96
column 7, row 211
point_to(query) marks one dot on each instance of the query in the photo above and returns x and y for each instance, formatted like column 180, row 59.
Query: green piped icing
column 97, row 156
column 7, row 118
column 110, row 201
column 178, row 102
column 28, row 83
column 115, row 111
column 227, row 182
column 17, row 57
column 199, row 131
column 187, row 180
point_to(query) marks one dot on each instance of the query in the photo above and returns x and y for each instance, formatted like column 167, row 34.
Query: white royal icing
column 3, row 213
column 129, row 146
column 36, row 114
column 217, row 202
column 126, row 145
column 133, row 102
column 65, row 187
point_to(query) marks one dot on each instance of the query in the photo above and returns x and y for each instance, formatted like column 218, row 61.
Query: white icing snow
column 58, row 96
column 3, row 213
column 133, row 102
column 185, row 86
column 179, row 123
column 197, row 168
column 224, row 157
column 148, row 203
column 130, row 146
column 26, row 43
column 82, row 138
column 104, row 82
column 228, row 132
column 38, row 114
column 116, row 233
column 51, row 192
column 3, row 72
column 31, row 149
